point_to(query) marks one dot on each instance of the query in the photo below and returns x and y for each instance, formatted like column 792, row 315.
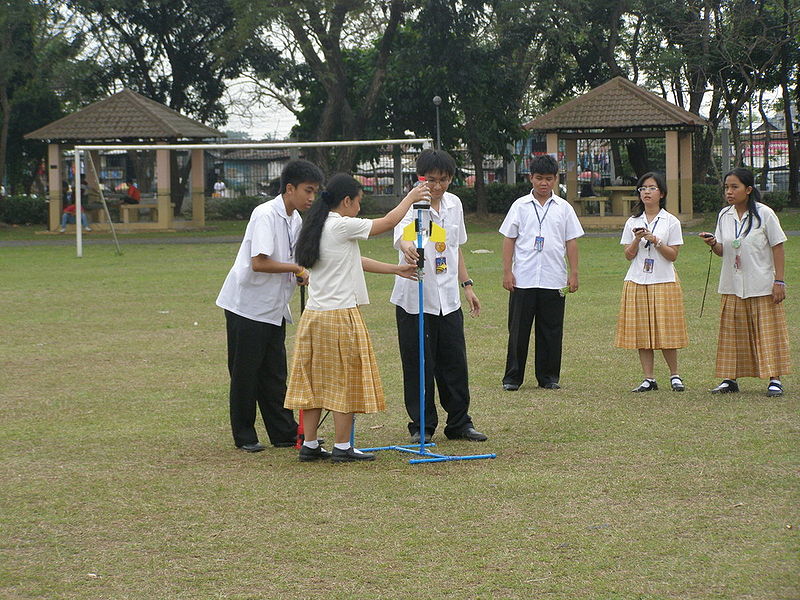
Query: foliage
column 23, row 210
column 499, row 196
column 706, row 198
column 776, row 200
column 236, row 208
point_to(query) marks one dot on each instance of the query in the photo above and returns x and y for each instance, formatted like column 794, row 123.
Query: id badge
column 737, row 262
column 538, row 243
column 648, row 265
column 441, row 264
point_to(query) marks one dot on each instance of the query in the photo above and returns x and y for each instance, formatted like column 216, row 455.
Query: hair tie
column 327, row 197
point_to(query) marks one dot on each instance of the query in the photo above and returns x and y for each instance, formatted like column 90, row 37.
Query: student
column 334, row 366
column 651, row 315
column 540, row 229
column 132, row 193
column 255, row 297
column 753, row 337
column 445, row 346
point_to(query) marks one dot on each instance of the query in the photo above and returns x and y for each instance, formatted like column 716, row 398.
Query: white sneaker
column 62, row 230
column 87, row 228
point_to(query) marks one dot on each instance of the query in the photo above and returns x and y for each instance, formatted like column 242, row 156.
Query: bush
column 500, row 196
column 777, row 200
column 706, row 198
column 23, row 210
column 232, row 209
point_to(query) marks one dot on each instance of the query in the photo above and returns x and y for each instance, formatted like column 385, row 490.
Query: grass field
column 119, row 478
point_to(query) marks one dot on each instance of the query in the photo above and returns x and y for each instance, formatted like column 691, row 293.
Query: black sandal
column 774, row 389
column 728, row 386
column 677, row 383
column 648, row 385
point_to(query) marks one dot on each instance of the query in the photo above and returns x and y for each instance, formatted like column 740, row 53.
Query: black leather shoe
column 308, row 454
column 774, row 389
column 473, row 435
column 350, row 455
column 727, row 386
column 551, row 386
column 252, row 447
column 648, row 385
column 510, row 387
column 415, row 437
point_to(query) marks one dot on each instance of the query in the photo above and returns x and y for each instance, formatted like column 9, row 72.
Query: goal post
column 80, row 149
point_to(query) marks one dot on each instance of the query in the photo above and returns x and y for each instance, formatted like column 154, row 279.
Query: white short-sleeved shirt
column 337, row 279
column 756, row 273
column 442, row 292
column 665, row 227
column 557, row 223
column 263, row 297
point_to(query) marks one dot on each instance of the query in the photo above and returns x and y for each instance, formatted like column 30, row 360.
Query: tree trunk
column 5, row 108
column 765, row 120
column 794, row 159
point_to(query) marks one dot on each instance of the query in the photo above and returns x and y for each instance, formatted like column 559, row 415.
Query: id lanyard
column 649, row 263
column 737, row 243
column 538, row 243
column 440, row 247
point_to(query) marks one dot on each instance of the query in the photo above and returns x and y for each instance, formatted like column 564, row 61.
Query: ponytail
column 339, row 187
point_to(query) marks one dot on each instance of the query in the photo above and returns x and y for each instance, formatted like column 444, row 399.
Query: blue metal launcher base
column 424, row 455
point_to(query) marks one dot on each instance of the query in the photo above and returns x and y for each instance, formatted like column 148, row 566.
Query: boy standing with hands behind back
column 540, row 229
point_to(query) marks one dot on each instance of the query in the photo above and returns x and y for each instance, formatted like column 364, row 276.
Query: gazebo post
column 571, row 148
column 552, row 144
column 198, row 188
column 685, row 150
column 54, row 178
column 673, row 172
column 163, row 189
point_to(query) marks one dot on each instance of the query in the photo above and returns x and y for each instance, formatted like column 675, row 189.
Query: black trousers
column 545, row 308
column 445, row 363
column 257, row 366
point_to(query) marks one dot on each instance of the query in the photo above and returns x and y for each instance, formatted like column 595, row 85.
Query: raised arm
column 394, row 216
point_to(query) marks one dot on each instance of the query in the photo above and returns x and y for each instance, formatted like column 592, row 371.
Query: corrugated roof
column 126, row 115
column 617, row 104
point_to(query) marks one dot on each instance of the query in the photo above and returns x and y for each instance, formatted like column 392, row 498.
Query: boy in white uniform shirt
column 540, row 229
column 255, row 297
column 445, row 346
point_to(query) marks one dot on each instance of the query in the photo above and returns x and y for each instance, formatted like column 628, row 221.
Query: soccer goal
column 162, row 206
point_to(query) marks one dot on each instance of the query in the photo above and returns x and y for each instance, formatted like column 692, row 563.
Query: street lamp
column 437, row 100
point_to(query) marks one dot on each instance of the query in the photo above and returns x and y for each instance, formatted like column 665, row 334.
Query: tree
column 316, row 41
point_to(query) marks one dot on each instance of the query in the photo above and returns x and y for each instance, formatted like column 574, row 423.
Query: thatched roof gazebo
column 126, row 118
column 619, row 109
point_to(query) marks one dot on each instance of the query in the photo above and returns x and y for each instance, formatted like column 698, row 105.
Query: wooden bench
column 582, row 201
column 126, row 211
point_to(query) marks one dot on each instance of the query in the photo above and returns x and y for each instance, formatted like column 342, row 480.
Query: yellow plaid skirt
column 753, row 338
column 651, row 317
column 334, row 366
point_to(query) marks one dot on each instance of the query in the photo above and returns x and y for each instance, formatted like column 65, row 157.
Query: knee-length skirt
column 651, row 317
column 334, row 365
column 753, row 338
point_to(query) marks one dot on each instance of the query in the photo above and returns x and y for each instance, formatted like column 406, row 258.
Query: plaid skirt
column 753, row 338
column 651, row 317
column 334, row 366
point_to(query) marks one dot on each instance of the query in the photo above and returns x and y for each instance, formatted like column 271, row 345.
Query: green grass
column 119, row 478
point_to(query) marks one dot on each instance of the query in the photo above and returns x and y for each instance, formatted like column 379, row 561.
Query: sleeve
column 353, row 228
column 674, row 235
column 718, row 228
column 462, row 228
column 263, row 241
column 627, row 232
column 510, row 226
column 572, row 226
column 773, row 229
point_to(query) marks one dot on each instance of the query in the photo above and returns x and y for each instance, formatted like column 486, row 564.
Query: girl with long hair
column 753, row 338
column 334, row 366
column 651, row 314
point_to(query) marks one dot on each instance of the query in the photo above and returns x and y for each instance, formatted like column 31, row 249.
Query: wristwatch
column 467, row 282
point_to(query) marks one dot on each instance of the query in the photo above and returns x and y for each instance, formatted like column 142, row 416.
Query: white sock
column 775, row 380
column 313, row 444
column 342, row 446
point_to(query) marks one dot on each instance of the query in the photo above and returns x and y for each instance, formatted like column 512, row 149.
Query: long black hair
column 339, row 187
column 638, row 208
column 746, row 177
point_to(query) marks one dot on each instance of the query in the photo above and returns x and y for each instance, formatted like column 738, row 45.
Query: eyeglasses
column 444, row 181
column 648, row 188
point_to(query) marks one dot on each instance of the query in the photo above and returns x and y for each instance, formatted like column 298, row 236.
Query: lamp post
column 437, row 100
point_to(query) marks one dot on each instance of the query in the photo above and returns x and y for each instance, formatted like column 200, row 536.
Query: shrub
column 500, row 196
column 232, row 209
column 23, row 210
column 777, row 200
column 706, row 198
